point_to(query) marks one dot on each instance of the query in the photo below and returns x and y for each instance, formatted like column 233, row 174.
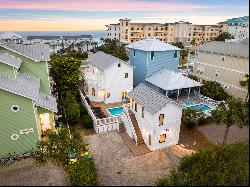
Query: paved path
column 117, row 165
column 215, row 133
column 24, row 173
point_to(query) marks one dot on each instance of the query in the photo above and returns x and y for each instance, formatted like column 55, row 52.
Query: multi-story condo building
column 239, row 27
column 224, row 62
column 181, row 31
column 107, row 78
column 27, row 107
column 10, row 37
column 81, row 42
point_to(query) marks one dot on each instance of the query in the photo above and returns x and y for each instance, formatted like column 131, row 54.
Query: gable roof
column 10, row 60
column 8, row 35
column 152, row 44
column 36, row 52
column 225, row 48
column 28, row 86
column 103, row 60
column 24, row 85
column 169, row 80
column 148, row 98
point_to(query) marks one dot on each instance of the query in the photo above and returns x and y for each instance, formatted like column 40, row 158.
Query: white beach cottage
column 107, row 79
column 152, row 118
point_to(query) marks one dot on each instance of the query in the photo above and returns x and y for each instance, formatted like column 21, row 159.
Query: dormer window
column 152, row 54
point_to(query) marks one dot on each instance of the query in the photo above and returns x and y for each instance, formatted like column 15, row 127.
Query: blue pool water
column 190, row 102
column 200, row 107
column 115, row 111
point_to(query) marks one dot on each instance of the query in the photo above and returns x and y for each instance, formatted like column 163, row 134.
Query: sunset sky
column 80, row 15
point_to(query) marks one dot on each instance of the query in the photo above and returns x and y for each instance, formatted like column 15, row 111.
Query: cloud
column 98, row 5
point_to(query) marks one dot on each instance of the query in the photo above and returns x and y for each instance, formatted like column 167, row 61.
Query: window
column 175, row 54
column 126, row 75
column 15, row 108
column 162, row 138
column 149, row 35
column 133, row 103
column 108, row 94
column 124, row 95
column 87, row 89
column 161, row 119
column 152, row 54
column 217, row 73
column 222, row 59
column 119, row 64
column 126, row 23
column 93, row 91
column 149, row 139
column 142, row 112
column 135, row 106
column 134, row 52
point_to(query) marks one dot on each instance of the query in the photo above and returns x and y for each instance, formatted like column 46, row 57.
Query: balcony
column 92, row 78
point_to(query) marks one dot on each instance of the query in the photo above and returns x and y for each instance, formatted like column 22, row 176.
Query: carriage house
column 107, row 79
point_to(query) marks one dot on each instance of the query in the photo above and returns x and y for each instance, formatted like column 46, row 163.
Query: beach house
column 27, row 107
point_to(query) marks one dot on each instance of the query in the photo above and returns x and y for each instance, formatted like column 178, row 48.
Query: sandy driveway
column 117, row 165
column 24, row 173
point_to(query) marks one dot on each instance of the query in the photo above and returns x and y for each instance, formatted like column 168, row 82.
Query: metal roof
column 152, row 44
column 10, row 60
column 36, row 52
column 24, row 85
column 225, row 48
column 58, row 37
column 169, row 80
column 103, row 60
column 148, row 98
column 47, row 102
column 8, row 35
column 28, row 86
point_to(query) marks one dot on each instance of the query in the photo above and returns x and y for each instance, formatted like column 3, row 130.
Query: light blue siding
column 163, row 59
column 139, row 61
column 144, row 66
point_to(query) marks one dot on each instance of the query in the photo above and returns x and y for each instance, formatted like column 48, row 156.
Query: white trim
column 17, row 93
column 48, row 76
column 228, row 69
column 13, row 138
column 35, row 109
column 17, row 106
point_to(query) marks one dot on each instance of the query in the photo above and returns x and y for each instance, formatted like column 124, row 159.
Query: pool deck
column 104, row 106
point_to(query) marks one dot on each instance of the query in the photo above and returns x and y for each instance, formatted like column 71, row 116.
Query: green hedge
column 83, row 111
column 83, row 173
column 87, row 121
column 225, row 165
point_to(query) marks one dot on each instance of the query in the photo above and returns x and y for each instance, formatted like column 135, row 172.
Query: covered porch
column 174, row 85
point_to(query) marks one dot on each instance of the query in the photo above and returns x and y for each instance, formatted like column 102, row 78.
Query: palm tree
column 231, row 112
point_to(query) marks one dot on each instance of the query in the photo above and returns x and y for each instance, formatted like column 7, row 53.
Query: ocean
column 97, row 34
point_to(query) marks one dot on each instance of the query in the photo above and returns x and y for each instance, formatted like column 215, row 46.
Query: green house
column 26, row 105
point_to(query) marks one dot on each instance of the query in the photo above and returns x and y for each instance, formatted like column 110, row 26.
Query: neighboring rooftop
column 152, row 44
column 10, row 35
column 148, row 98
column 47, row 102
column 226, row 48
column 58, row 37
column 169, row 80
column 10, row 60
column 36, row 52
column 103, row 60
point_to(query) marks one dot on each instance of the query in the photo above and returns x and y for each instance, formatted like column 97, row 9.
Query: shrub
column 87, row 121
column 83, row 111
column 214, row 90
column 191, row 124
column 225, row 165
column 193, row 118
column 83, row 173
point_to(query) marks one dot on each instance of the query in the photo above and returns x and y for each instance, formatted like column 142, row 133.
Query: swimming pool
column 200, row 107
column 115, row 111
column 191, row 102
